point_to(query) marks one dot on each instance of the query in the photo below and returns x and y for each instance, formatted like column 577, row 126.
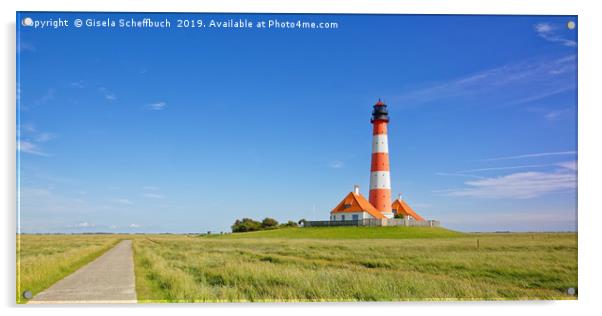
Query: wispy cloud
column 83, row 225
column 30, row 148
column 511, row 84
column 30, row 139
column 153, row 195
column 552, row 33
column 49, row 95
column 135, row 226
column 551, row 115
column 77, row 84
column 556, row 114
column 336, row 164
column 123, row 201
column 522, row 185
column 156, row 106
column 534, row 155
column 44, row 137
column 505, row 168
column 108, row 95
column 24, row 46
column 455, row 174
column 571, row 165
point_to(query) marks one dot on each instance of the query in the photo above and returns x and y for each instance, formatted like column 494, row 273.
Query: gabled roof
column 357, row 203
column 404, row 209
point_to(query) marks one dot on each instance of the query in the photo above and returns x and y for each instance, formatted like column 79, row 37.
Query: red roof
column 404, row 209
column 357, row 203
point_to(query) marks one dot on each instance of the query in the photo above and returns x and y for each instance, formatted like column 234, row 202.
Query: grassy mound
column 397, row 232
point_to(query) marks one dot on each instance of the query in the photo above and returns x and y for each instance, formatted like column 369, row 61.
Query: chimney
column 356, row 189
column 399, row 197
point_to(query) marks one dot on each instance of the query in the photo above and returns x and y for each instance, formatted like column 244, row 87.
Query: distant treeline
column 250, row 225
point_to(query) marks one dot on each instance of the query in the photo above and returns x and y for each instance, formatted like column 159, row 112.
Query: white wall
column 349, row 216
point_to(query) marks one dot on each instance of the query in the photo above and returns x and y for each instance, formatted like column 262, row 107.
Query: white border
column 590, row 156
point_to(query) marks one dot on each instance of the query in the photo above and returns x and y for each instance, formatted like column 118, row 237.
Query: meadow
column 320, row 264
column 43, row 260
column 403, row 264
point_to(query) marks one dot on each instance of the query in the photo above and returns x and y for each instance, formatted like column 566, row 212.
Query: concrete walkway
column 108, row 279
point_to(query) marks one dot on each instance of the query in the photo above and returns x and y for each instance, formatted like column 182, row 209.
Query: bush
column 268, row 223
column 246, row 225
column 249, row 225
column 289, row 224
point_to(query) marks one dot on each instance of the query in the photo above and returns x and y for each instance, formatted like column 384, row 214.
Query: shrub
column 268, row 223
column 289, row 224
column 246, row 225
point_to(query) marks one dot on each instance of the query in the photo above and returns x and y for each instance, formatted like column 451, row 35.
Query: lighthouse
column 377, row 209
column 380, row 177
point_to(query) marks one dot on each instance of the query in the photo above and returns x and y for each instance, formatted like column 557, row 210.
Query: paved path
column 108, row 279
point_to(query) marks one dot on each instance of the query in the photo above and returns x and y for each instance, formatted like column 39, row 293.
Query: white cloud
column 505, row 168
column 522, row 185
column 571, row 165
column 153, row 195
column 336, row 164
column 84, row 225
column 25, row 47
column 109, row 95
column 454, row 174
column 135, row 226
column 124, row 201
column 550, row 32
column 534, row 155
column 49, row 95
column 511, row 84
column 77, row 84
column 555, row 114
column 157, row 106
column 30, row 137
column 30, row 148
column 44, row 137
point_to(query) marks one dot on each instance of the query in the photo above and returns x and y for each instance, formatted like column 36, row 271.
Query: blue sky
column 185, row 130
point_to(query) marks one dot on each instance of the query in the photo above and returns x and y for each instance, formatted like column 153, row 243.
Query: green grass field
column 351, row 264
column 320, row 264
column 43, row 260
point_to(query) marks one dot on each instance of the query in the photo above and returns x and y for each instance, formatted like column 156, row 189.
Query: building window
column 343, row 217
column 355, row 217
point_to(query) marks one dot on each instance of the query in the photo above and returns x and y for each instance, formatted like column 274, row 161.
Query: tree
column 246, row 225
column 268, row 223
column 301, row 221
column 289, row 224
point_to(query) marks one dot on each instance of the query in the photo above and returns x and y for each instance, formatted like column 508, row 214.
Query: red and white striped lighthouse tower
column 380, row 177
